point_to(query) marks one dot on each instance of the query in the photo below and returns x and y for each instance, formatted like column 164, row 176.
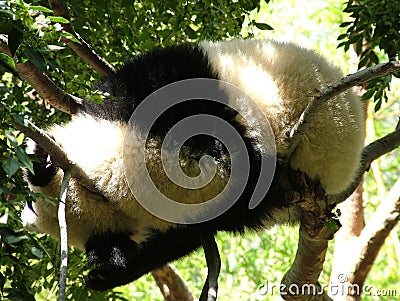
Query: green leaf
column 359, row 46
column 15, row 38
column 166, row 33
column 96, row 98
column 140, row 21
column 368, row 94
column 333, row 224
column 57, row 19
column 14, row 238
column 341, row 44
column 191, row 32
column 37, row 58
column 11, row 138
column 263, row 26
column 37, row 252
column 25, row 160
column 353, row 9
column 9, row 61
column 22, row 156
column 354, row 38
column 69, row 36
column 10, row 166
column 40, row 8
column 378, row 95
column 378, row 105
column 7, row 12
column 345, row 24
column 363, row 62
column 80, row 293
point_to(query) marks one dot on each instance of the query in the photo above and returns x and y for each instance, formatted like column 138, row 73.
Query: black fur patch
column 143, row 75
column 43, row 168
column 116, row 260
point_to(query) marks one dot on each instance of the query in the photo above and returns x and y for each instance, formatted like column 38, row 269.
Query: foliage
column 374, row 30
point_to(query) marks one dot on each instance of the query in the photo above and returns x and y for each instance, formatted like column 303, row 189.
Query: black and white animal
column 123, row 240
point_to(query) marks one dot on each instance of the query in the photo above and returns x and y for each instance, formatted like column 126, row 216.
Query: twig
column 43, row 84
column 62, row 221
column 58, row 156
column 301, row 127
column 82, row 49
column 370, row 153
column 210, row 288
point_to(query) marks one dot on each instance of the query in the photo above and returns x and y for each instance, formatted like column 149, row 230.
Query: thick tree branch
column 43, row 84
column 171, row 284
column 302, row 126
column 83, row 49
column 301, row 280
column 48, row 89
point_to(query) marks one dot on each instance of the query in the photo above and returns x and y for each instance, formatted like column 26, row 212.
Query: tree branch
column 352, row 271
column 48, row 89
column 82, row 49
column 62, row 221
column 171, row 284
column 302, row 126
column 374, row 234
column 43, row 84
column 370, row 153
column 301, row 280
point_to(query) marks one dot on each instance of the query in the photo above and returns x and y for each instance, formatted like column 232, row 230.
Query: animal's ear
column 110, row 257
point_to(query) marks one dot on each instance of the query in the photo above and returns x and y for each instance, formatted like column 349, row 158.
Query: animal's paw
column 43, row 167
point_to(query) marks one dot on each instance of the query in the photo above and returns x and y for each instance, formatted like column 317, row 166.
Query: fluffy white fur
column 278, row 76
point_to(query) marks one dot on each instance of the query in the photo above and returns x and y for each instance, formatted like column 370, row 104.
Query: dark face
column 116, row 260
